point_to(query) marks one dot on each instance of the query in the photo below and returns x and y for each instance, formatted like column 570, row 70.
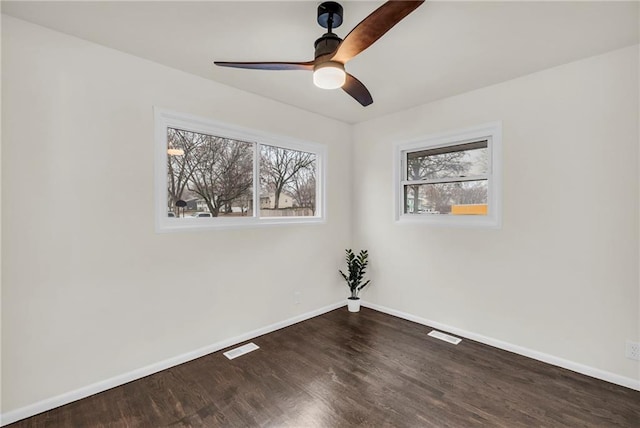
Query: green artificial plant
column 357, row 266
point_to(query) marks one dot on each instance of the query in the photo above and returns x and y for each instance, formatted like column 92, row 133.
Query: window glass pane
column 287, row 182
column 208, row 176
column 463, row 160
column 457, row 198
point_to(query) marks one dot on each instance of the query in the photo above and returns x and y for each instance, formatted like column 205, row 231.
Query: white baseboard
column 68, row 397
column 540, row 356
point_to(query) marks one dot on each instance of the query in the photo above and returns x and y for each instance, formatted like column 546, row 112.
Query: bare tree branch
column 279, row 166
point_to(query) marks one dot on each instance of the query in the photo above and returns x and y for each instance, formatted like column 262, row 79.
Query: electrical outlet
column 296, row 297
column 633, row 350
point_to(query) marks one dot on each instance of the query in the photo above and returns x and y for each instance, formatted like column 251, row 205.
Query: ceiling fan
column 332, row 53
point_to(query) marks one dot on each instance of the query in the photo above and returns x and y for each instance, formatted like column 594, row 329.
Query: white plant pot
column 353, row 305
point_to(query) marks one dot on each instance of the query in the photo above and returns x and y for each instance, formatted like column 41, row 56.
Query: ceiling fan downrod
column 329, row 16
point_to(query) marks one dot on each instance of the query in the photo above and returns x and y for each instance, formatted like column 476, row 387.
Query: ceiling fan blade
column 357, row 90
column 373, row 27
column 268, row 65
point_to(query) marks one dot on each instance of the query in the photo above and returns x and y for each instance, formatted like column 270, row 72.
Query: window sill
column 480, row 222
column 200, row 225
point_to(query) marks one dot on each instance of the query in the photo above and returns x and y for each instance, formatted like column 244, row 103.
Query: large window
column 210, row 175
column 451, row 179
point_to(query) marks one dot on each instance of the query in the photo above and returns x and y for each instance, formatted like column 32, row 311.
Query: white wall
column 561, row 276
column 89, row 291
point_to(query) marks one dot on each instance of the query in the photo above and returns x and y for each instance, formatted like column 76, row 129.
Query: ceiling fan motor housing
column 326, row 44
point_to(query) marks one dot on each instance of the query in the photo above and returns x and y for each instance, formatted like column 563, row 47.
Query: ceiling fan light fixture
column 329, row 75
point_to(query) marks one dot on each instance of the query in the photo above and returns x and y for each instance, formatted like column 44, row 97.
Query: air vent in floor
column 444, row 336
column 241, row 350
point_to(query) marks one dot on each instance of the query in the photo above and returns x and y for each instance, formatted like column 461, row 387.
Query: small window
column 210, row 175
column 451, row 179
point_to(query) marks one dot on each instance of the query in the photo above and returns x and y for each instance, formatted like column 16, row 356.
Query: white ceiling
column 441, row 49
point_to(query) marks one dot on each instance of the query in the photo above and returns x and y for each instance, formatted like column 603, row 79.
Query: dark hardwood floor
column 367, row 369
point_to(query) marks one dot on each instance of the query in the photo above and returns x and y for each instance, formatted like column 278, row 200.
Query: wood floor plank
column 366, row 369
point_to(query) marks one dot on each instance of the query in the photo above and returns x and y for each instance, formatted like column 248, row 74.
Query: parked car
column 199, row 215
column 171, row 214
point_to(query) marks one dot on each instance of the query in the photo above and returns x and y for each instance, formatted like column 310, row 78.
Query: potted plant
column 357, row 266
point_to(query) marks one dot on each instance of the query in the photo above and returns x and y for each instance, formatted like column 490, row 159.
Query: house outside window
column 450, row 179
column 212, row 175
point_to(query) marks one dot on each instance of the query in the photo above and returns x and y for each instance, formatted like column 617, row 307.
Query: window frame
column 164, row 119
column 492, row 132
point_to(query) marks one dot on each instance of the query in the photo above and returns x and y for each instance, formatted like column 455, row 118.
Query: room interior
column 93, row 297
